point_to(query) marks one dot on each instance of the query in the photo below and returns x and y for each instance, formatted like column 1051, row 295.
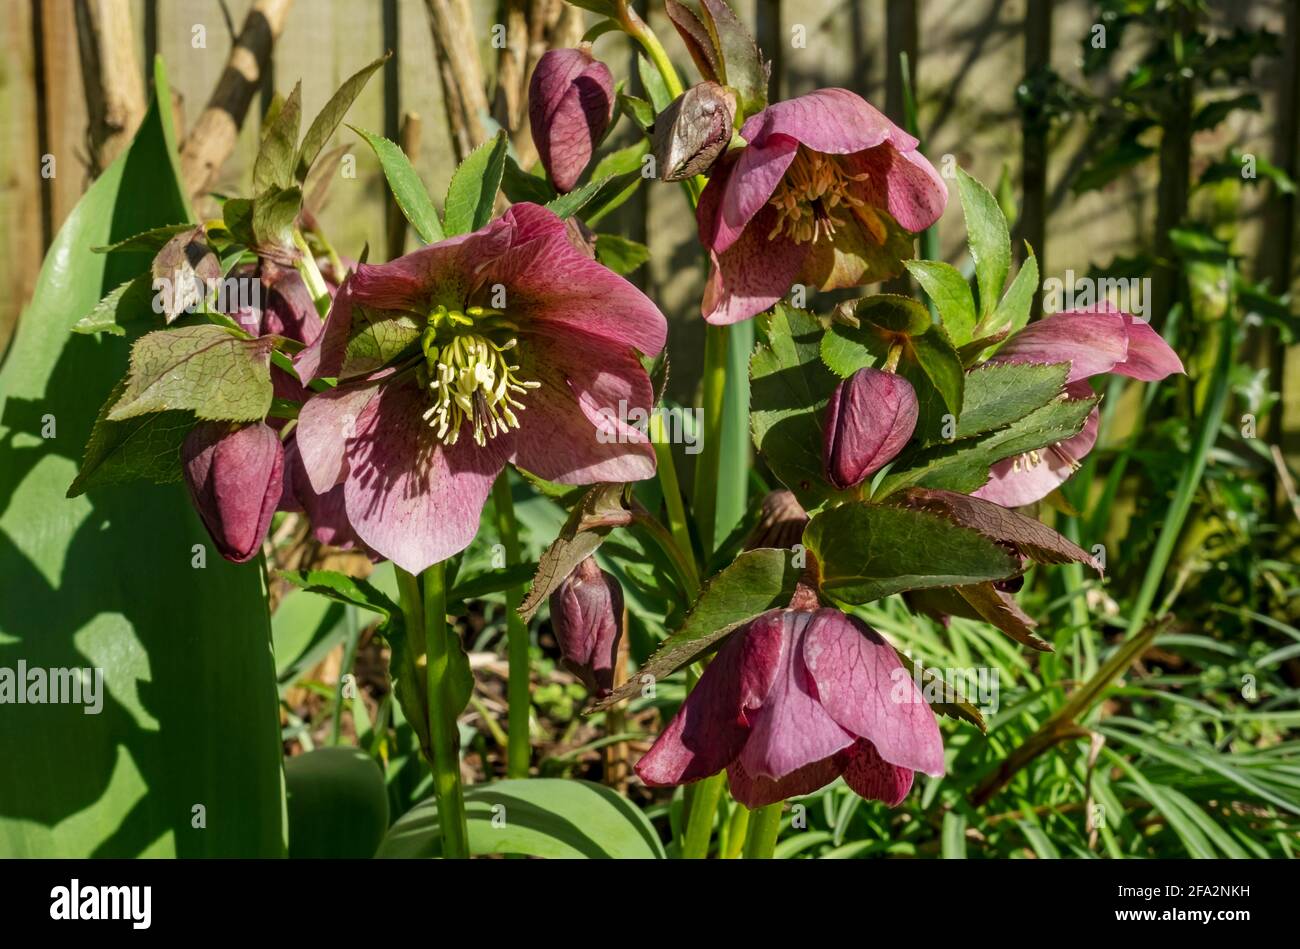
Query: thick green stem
column 442, row 717
column 699, row 822
column 672, row 488
column 704, row 500
column 518, row 697
column 306, row 266
column 687, row 574
column 640, row 31
column 764, row 828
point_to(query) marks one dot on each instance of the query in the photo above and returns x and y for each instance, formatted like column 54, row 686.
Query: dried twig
column 111, row 74
column 214, row 135
column 456, row 46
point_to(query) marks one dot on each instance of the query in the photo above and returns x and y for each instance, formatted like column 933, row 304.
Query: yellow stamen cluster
column 469, row 375
column 815, row 196
column 1033, row 459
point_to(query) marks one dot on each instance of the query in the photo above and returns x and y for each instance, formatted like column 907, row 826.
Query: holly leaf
column 206, row 369
column 473, row 189
column 866, row 551
column 990, row 242
column 753, row 583
column 950, row 293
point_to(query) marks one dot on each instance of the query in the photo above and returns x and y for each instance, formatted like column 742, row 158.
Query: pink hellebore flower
column 823, row 194
column 869, row 419
column 234, row 475
column 793, row 700
column 1092, row 342
column 504, row 345
column 570, row 106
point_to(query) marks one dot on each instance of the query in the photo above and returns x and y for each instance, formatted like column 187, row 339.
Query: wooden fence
column 968, row 55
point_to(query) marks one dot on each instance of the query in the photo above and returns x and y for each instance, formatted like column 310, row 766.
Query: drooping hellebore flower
column 570, row 106
column 1092, row 342
column 826, row 193
column 587, row 616
column 234, row 474
column 791, row 701
column 869, row 419
column 504, row 345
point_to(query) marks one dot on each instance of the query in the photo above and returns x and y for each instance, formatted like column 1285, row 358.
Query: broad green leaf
column 473, row 189
column 106, row 581
column 558, row 818
column 328, row 119
column 146, row 447
column 868, row 551
column 273, row 169
column 620, row 254
column 944, row 284
column 755, row 582
column 1012, row 313
column 206, row 369
column 964, row 465
column 493, row 581
column 638, row 110
column 933, row 367
column 274, row 214
column 998, row 394
column 337, row 802
column 130, row 304
column 343, row 589
column 408, row 190
column 990, row 243
column 790, row 386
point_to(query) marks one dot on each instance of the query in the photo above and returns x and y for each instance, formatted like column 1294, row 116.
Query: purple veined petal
column 1025, row 479
column 791, row 729
column 324, row 356
column 874, row 778
column 552, row 288
column 862, row 684
column 326, row 512
column 753, row 274
column 235, row 478
column 904, row 183
column 571, row 428
column 288, row 309
column 326, row 423
column 570, row 105
column 834, row 121
column 1091, row 342
column 1149, row 358
column 409, row 497
column 869, row 418
column 755, row 791
column 749, row 187
column 710, row 728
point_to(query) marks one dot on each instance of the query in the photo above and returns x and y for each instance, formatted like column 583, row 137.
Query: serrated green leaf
column 998, row 394
column 342, row 588
column 990, row 242
column 790, row 386
column 205, row 369
column 868, row 551
column 473, row 189
column 755, row 582
column 274, row 165
column 328, row 119
column 147, row 447
column 950, row 292
column 408, row 190
column 151, row 240
column 1012, row 313
column 130, row 303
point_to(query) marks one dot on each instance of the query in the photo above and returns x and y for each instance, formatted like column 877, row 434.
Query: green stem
column 306, row 266
column 639, row 30
column 704, row 499
column 699, row 822
column 518, row 697
column 682, row 560
column 737, row 831
column 442, row 717
column 672, row 489
column 764, row 828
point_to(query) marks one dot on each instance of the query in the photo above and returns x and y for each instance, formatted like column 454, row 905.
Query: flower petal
column 1092, row 343
column 791, row 728
column 234, row 474
column 326, row 423
column 448, row 271
column 834, row 121
column 753, row 274
column 904, row 183
column 710, row 728
column 409, row 497
column 874, row 778
column 752, row 181
column 755, row 791
column 573, row 429
column 861, row 683
column 552, row 288
column 570, row 103
column 1015, row 482
column 1149, row 356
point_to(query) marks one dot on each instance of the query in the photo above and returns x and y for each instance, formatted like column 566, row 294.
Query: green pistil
column 468, row 374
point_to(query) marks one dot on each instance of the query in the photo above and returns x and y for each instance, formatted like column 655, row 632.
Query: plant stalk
column 442, row 717
column 518, row 692
column 764, row 828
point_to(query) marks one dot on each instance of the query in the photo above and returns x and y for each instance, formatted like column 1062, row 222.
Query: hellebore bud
column 870, row 417
column 570, row 106
column 587, row 615
column 235, row 474
column 691, row 134
column 781, row 522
